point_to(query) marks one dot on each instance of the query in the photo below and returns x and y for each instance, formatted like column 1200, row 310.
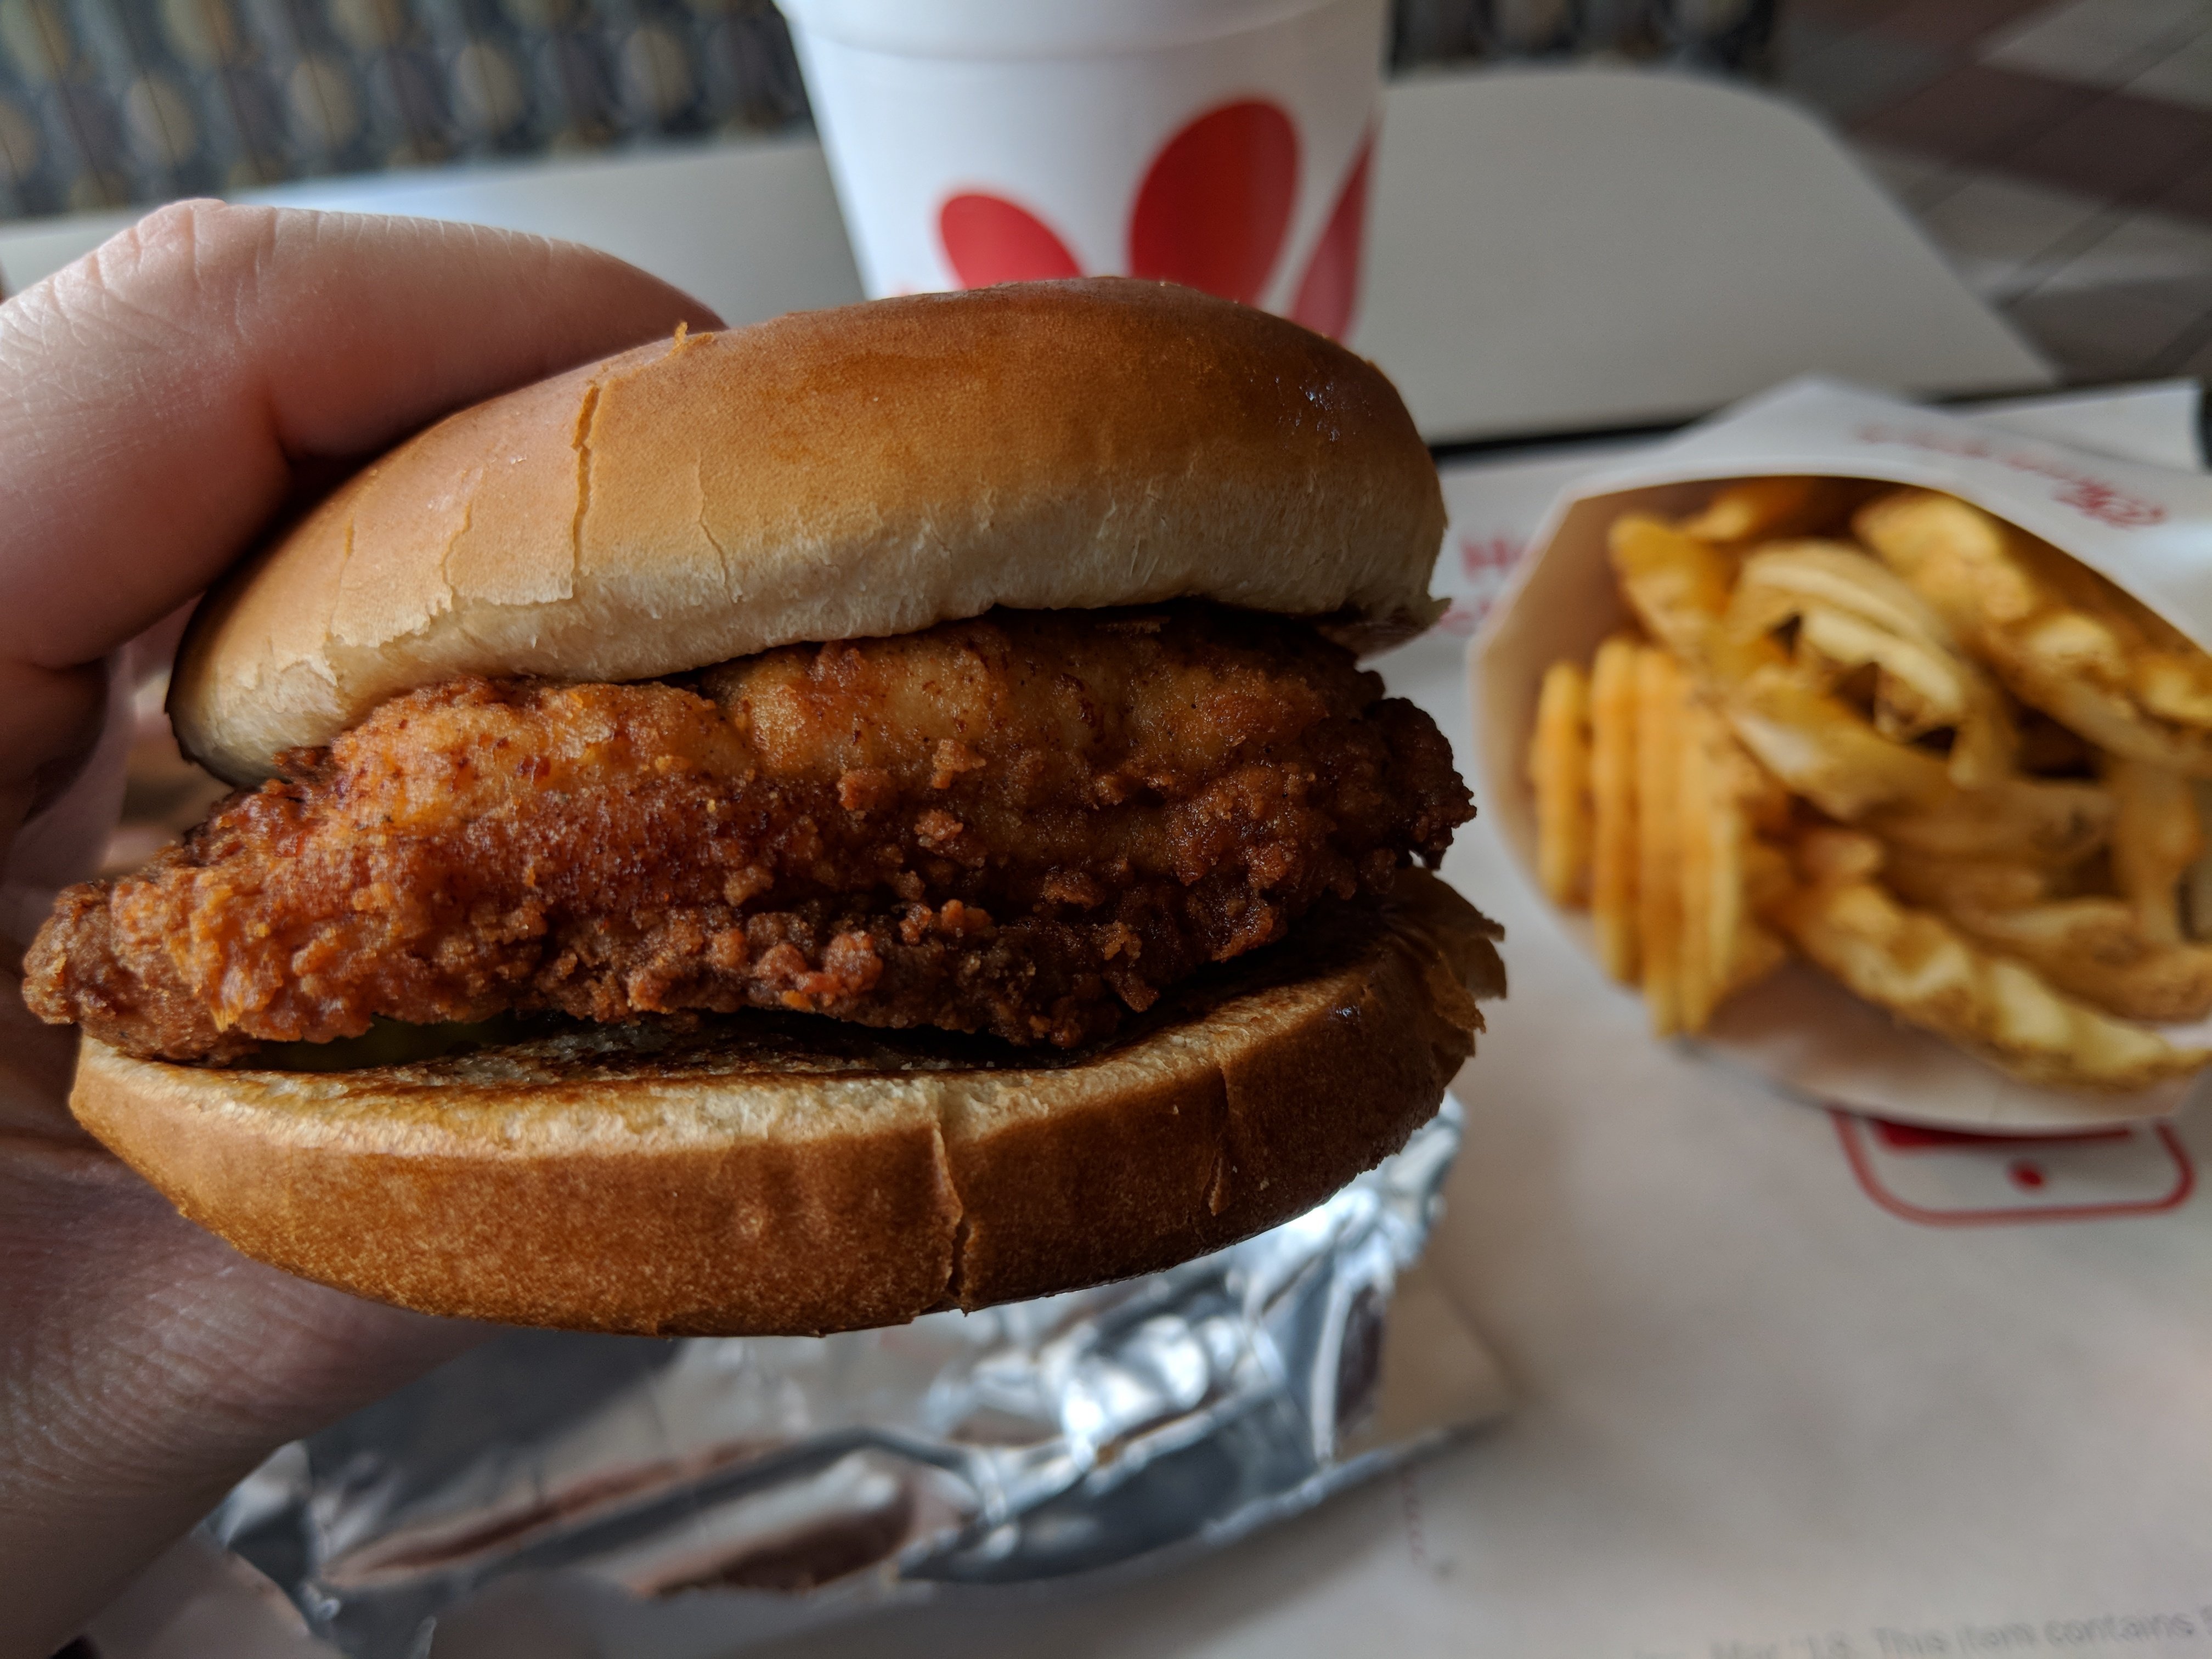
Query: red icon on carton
column 1943, row 1178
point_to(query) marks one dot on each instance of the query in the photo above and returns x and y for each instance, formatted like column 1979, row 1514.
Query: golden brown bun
column 832, row 475
column 811, row 1175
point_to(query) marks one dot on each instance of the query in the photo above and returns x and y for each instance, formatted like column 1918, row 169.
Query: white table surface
column 1552, row 250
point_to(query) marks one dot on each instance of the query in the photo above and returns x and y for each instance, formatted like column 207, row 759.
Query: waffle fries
column 1899, row 739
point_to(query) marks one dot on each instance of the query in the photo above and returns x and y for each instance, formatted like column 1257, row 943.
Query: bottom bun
column 776, row 1175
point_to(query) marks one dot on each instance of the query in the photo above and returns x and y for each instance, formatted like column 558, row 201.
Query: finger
column 48, row 717
column 154, row 396
column 149, row 1367
column 36, row 1062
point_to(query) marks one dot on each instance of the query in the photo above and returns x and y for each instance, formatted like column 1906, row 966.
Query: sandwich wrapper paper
column 2148, row 528
column 1787, row 1384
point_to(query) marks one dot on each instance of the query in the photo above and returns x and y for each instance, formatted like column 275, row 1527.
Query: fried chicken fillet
column 1025, row 824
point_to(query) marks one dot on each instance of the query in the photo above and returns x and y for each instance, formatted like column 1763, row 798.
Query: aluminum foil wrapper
column 688, row 1496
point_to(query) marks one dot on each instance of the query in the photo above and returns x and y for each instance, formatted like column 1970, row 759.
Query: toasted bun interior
column 831, row 475
column 800, row 1175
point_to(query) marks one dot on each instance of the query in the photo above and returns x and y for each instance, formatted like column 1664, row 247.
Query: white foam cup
column 1222, row 144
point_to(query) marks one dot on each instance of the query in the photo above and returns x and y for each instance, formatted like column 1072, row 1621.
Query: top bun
column 868, row 471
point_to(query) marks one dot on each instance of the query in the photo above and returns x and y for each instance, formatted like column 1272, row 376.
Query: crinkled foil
column 769, row 1483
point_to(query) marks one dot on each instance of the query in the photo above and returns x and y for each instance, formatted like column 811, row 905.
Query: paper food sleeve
column 2149, row 529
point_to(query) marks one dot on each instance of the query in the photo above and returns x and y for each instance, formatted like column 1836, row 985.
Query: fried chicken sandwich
column 786, row 829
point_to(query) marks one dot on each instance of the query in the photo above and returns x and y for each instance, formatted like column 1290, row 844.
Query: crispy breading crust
column 1021, row 824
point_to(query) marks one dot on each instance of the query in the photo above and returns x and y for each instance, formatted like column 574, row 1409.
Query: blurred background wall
column 108, row 103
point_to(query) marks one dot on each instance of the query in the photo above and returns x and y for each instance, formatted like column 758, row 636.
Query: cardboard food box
column 2149, row 529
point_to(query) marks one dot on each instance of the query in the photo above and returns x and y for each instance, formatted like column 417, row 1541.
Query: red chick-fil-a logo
column 2086, row 493
column 1485, row 561
column 1212, row 212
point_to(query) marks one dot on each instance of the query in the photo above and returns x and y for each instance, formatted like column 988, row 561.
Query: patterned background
column 108, row 102
column 2059, row 153
column 104, row 103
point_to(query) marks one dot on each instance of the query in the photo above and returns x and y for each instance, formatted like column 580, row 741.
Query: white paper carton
column 2147, row 528
column 1220, row 143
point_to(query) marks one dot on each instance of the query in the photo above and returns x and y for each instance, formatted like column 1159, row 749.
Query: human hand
column 159, row 402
